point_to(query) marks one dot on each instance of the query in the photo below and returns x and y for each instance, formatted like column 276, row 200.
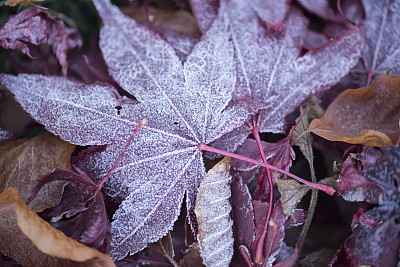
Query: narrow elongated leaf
column 213, row 215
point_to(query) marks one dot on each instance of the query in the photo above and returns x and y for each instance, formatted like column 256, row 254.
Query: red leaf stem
column 329, row 190
column 143, row 122
column 260, row 245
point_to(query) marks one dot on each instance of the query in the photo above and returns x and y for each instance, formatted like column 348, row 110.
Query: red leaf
column 382, row 53
column 271, row 69
column 353, row 186
column 37, row 26
column 82, row 204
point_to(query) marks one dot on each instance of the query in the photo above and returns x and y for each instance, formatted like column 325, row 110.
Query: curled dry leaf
column 368, row 115
column 213, row 215
column 23, row 161
column 31, row 241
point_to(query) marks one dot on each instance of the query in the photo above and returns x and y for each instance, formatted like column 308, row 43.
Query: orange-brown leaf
column 16, row 2
column 22, row 162
column 368, row 115
column 31, row 241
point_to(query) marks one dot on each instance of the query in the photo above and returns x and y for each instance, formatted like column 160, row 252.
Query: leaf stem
column 143, row 122
column 322, row 187
column 261, row 240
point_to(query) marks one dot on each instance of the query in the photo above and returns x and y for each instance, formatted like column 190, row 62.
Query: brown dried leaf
column 309, row 110
column 291, row 194
column 213, row 216
column 23, row 161
column 192, row 257
column 17, row 2
column 31, row 241
column 165, row 247
column 368, row 115
column 179, row 21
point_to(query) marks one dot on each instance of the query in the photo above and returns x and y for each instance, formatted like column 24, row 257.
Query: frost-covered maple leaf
column 271, row 12
column 382, row 53
column 185, row 105
column 37, row 26
column 270, row 66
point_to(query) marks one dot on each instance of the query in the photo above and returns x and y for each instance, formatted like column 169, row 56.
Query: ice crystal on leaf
column 185, row 105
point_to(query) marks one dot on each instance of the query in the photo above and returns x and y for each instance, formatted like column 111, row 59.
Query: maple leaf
column 270, row 68
column 351, row 9
column 382, row 53
column 186, row 106
column 37, row 26
column 82, row 205
column 270, row 12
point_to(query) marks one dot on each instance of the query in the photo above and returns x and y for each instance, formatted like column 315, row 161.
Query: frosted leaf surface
column 269, row 67
column 83, row 114
column 213, row 215
column 321, row 8
column 185, row 105
column 382, row 53
column 5, row 135
column 270, row 12
column 37, row 26
column 205, row 11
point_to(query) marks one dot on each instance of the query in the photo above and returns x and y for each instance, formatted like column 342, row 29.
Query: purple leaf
column 270, row 68
column 353, row 186
column 185, row 105
column 37, row 26
column 382, row 53
column 278, row 154
column 243, row 216
column 276, row 230
column 83, row 206
column 352, row 9
column 205, row 11
column 376, row 245
column 380, row 169
column 360, row 216
column 269, row 12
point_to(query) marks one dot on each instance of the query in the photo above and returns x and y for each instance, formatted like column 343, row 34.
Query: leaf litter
column 230, row 96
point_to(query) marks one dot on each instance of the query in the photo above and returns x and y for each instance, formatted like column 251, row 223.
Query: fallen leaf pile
column 132, row 107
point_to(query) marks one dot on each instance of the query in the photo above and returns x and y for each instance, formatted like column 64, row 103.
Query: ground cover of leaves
column 115, row 118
